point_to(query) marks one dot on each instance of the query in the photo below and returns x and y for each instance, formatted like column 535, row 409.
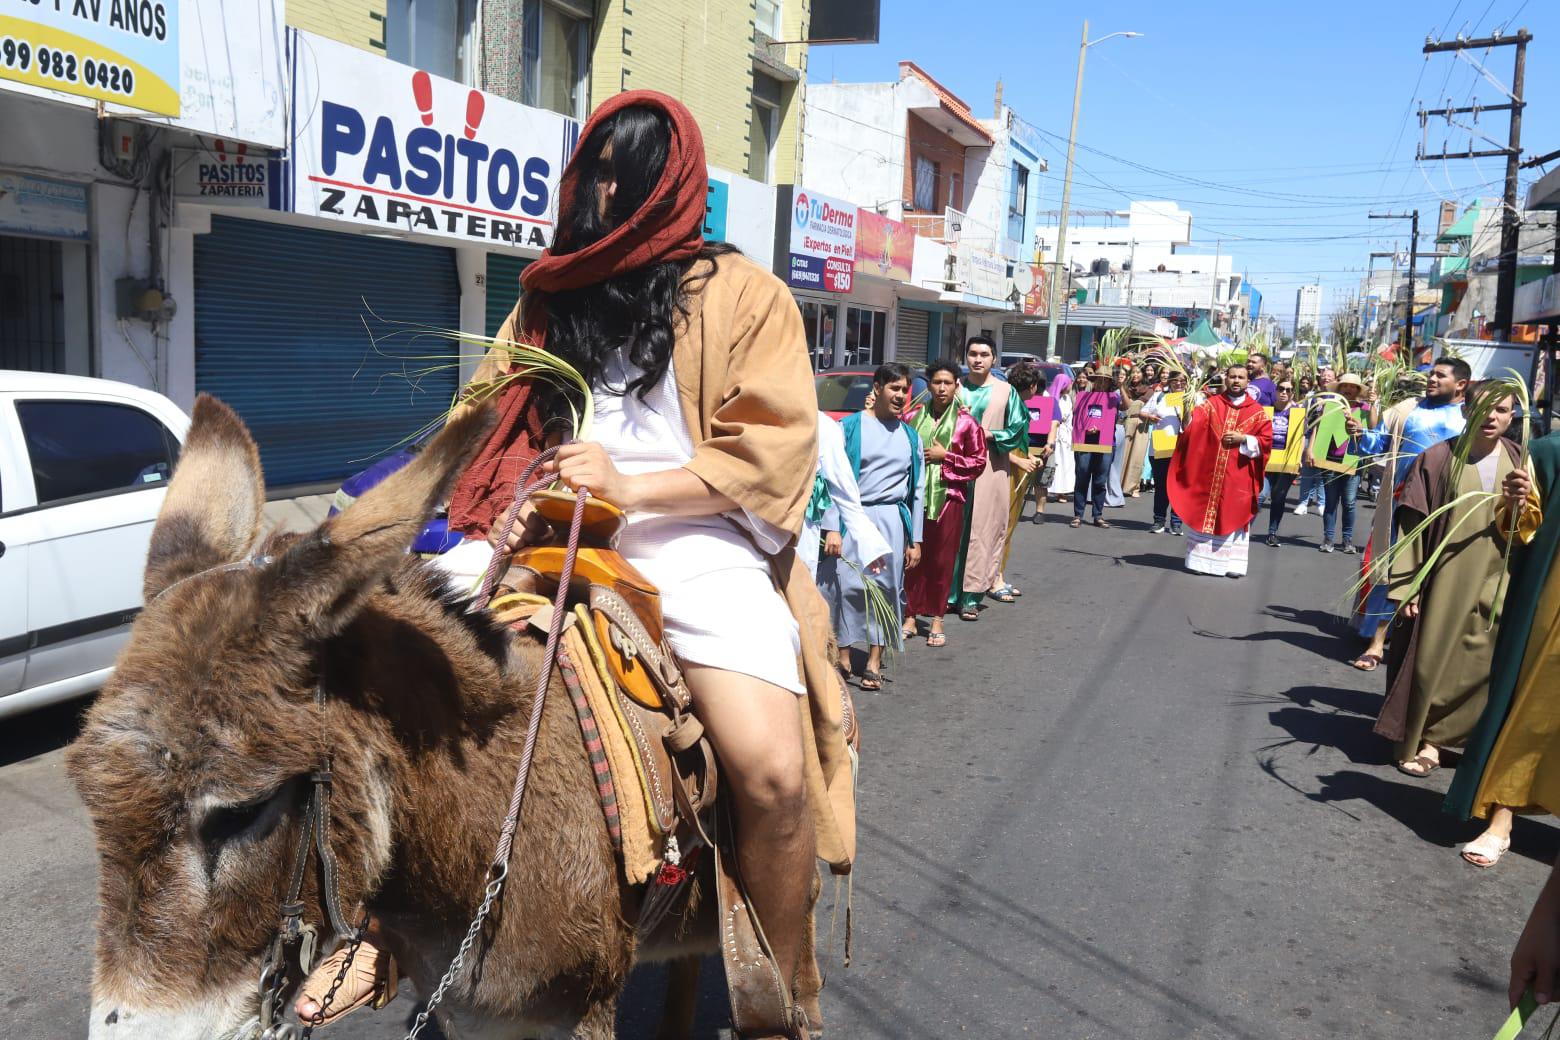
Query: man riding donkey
column 705, row 434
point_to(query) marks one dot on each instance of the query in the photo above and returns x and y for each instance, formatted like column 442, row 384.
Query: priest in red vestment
column 1216, row 475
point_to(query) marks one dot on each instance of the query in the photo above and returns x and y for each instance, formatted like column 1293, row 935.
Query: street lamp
column 1061, row 231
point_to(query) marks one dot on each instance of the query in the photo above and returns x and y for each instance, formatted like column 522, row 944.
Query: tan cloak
column 989, row 497
column 746, row 387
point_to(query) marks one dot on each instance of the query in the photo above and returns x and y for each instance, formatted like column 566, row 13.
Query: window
column 434, row 35
column 766, row 17
column 84, row 448
column 843, row 393
column 818, row 319
column 1020, row 204
column 764, row 129
column 864, row 336
column 557, row 57
column 926, row 176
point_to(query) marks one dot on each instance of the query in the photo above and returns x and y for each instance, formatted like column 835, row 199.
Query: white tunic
column 719, row 601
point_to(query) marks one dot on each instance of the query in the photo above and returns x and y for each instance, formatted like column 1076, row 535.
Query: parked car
column 84, row 467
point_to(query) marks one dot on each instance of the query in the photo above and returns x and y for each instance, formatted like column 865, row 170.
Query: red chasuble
column 1214, row 489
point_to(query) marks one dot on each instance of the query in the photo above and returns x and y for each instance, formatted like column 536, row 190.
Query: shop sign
column 1035, row 300
column 821, row 242
column 43, row 206
column 225, row 173
column 883, row 247
column 715, row 211
column 385, row 145
column 982, row 273
column 124, row 51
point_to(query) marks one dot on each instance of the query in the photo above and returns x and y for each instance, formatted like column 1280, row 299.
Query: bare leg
column 1378, row 642
column 757, row 732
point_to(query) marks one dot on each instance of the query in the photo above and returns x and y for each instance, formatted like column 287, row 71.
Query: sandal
column 1366, row 662
column 1075, row 522
column 1003, row 595
column 910, row 631
column 1102, row 522
column 370, row 980
column 1486, row 847
column 969, row 615
column 871, row 680
column 937, row 639
column 1426, row 766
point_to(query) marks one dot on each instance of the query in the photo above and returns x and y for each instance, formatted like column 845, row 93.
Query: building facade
column 1308, row 310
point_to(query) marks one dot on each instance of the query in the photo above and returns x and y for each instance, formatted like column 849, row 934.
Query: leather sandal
column 871, row 680
column 369, row 981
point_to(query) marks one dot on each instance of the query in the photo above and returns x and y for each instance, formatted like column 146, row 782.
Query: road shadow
column 1418, row 807
column 43, row 730
column 1356, row 702
column 1349, row 734
column 1164, row 563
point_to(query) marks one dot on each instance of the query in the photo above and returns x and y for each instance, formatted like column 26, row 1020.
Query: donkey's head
column 194, row 762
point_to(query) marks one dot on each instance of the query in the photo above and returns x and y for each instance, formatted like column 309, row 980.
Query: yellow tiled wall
column 360, row 23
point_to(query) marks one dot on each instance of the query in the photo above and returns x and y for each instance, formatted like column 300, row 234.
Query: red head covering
column 668, row 227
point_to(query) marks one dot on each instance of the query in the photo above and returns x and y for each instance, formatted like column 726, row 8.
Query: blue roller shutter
column 280, row 336
column 503, row 287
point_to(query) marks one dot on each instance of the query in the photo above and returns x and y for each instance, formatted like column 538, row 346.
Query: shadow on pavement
column 41, row 731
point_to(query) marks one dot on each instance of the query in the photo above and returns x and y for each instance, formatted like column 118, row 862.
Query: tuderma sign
column 379, row 143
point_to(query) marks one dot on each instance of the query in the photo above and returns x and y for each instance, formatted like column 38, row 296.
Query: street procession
column 777, row 519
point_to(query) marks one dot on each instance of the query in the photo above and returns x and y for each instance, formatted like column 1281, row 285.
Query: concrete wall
column 702, row 54
column 854, row 150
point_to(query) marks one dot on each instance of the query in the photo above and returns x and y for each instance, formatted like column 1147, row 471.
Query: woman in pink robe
column 955, row 448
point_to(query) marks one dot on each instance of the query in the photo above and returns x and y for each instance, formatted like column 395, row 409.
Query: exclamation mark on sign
column 422, row 92
column 474, row 106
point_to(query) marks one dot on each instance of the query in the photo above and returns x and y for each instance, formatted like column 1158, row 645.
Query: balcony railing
column 955, row 227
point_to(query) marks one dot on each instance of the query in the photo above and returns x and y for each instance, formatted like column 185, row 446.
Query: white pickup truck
column 84, row 466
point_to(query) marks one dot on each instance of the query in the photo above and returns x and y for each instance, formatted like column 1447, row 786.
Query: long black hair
column 635, row 312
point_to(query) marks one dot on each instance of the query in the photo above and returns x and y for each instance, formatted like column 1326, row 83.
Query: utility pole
column 1510, row 224
column 1413, row 262
column 1213, row 301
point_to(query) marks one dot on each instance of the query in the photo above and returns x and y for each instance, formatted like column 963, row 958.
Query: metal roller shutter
column 280, row 336
column 1025, row 337
column 503, row 288
column 910, row 336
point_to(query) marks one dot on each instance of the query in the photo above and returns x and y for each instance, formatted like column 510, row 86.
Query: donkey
column 194, row 766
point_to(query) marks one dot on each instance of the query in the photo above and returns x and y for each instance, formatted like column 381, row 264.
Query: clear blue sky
column 1278, row 125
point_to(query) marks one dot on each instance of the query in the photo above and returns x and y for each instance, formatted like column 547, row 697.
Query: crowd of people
column 1455, row 598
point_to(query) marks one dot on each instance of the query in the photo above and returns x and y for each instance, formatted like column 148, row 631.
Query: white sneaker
column 1301, row 510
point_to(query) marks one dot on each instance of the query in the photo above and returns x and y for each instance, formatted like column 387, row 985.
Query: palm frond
column 880, row 612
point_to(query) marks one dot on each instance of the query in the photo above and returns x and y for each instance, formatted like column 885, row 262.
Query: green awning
column 1202, row 334
column 1451, row 269
column 1462, row 227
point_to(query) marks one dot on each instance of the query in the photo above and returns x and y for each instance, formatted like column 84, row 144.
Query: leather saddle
column 624, row 611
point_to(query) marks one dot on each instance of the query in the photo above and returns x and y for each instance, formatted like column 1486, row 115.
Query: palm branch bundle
column 1395, row 381
column 1110, row 351
column 527, row 362
column 1481, row 404
column 880, row 612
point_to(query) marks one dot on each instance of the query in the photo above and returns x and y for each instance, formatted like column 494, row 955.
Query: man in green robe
column 1003, row 416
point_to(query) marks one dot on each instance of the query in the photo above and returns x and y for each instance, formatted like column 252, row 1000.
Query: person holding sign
column 1093, row 442
column 1216, row 476
column 1288, row 444
column 1335, row 450
column 1163, row 412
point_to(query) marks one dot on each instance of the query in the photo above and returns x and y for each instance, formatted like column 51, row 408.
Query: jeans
column 1280, row 484
column 1340, row 490
column 1162, row 513
column 1092, row 469
column 1311, row 485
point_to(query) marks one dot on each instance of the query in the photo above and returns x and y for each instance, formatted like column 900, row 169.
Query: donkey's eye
column 244, row 821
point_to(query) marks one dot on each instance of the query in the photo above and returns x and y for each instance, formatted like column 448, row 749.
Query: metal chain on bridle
column 498, row 869
column 316, row 834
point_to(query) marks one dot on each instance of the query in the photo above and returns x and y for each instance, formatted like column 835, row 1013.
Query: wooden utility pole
column 1510, row 222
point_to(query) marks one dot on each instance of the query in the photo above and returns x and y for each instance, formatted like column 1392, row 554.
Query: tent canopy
column 1202, row 334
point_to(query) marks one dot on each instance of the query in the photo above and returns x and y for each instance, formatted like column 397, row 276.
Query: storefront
column 45, row 235
column 328, row 301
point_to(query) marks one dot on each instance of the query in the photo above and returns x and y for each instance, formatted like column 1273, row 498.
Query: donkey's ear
column 322, row 581
column 212, row 512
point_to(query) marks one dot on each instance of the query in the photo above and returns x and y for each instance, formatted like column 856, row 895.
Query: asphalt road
column 1138, row 803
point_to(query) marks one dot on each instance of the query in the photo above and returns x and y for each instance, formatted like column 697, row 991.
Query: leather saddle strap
column 659, row 665
column 761, row 1005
